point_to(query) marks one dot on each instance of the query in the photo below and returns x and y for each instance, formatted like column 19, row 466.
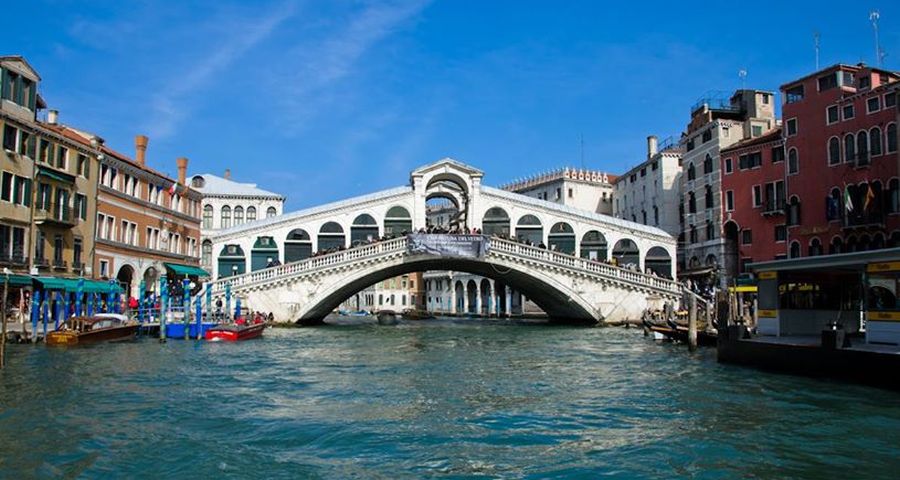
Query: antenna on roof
column 816, row 41
column 874, row 16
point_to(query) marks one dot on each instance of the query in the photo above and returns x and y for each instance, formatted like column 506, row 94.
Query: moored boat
column 233, row 333
column 414, row 314
column 106, row 327
column 387, row 317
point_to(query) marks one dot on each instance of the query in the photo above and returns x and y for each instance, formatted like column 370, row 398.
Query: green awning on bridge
column 188, row 270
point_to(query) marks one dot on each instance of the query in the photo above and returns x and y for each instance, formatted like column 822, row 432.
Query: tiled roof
column 216, row 185
column 770, row 136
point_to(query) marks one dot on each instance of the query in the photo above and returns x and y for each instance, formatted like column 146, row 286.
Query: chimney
column 651, row 146
column 182, row 170
column 227, row 174
column 140, row 146
column 52, row 117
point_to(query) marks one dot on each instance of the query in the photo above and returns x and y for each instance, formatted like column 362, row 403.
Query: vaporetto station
column 578, row 266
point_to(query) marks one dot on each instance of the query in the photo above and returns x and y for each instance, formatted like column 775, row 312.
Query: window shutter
column 4, row 89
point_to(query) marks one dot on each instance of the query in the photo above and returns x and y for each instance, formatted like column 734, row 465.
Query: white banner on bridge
column 473, row 246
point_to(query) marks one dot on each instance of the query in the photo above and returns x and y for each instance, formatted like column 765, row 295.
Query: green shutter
column 32, row 96
column 16, row 190
column 27, row 192
column 4, row 90
column 18, row 91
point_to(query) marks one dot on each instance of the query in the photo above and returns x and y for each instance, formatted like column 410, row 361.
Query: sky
column 324, row 100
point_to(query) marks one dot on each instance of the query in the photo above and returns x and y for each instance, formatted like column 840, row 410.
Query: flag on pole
column 848, row 202
column 173, row 188
column 870, row 197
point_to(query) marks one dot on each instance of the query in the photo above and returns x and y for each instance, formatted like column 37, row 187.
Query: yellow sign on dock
column 883, row 267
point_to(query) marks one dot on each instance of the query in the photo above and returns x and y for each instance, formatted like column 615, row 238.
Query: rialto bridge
column 576, row 265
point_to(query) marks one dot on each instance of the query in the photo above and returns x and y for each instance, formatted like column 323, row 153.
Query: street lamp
column 234, row 269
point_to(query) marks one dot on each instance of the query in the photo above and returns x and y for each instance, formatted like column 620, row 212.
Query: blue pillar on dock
column 112, row 305
column 45, row 311
column 60, row 309
column 186, row 305
column 163, row 306
column 209, row 300
column 199, row 316
column 228, row 300
column 237, row 308
column 79, row 297
column 141, row 299
column 35, row 314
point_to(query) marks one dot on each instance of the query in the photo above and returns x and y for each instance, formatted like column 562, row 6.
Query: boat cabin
column 802, row 296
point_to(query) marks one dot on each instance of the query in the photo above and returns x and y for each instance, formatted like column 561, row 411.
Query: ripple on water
column 450, row 399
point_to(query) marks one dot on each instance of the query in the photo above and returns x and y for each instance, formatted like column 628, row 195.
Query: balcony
column 13, row 259
column 59, row 215
column 77, row 267
column 60, row 264
column 41, row 262
column 774, row 207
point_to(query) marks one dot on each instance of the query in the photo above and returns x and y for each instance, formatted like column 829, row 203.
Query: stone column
column 508, row 293
column 478, row 302
column 466, row 297
column 492, row 299
column 452, row 295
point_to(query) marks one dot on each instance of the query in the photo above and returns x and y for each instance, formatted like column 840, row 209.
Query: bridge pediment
column 446, row 166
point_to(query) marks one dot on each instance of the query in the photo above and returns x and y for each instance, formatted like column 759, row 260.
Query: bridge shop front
column 835, row 316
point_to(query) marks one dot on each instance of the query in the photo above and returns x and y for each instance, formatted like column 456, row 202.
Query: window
column 849, row 148
column 892, row 138
column 862, row 148
column 81, row 206
column 692, row 203
column 104, row 268
column 45, row 152
column 644, row 172
column 893, row 196
column 834, row 151
column 864, row 82
column 251, row 214
column 707, row 135
column 777, row 154
column 709, row 197
column 848, row 111
column 755, row 130
column 757, row 196
column 77, row 247
column 571, row 193
column 40, row 239
column 765, row 99
column 792, row 127
column 729, row 201
column 846, row 78
column 707, row 164
column 62, row 158
column 654, row 166
column 794, row 211
column 693, row 234
column 271, row 212
column 710, row 230
column 873, row 104
column 238, row 215
column 832, row 114
column 750, row 160
column 728, row 166
column 827, row 82
column 691, row 173
column 9, row 138
column 875, row 141
column 780, row 233
column 794, row 94
column 208, row 216
column 655, row 215
column 58, row 250
column 559, row 193
column 690, row 144
column 6, row 187
column 890, row 99
column 746, row 236
column 226, row 217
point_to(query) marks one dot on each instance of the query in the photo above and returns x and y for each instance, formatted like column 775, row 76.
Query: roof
column 842, row 66
column 21, row 59
column 219, row 186
column 770, row 136
column 853, row 261
column 447, row 161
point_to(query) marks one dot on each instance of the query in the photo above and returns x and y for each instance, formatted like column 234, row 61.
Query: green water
column 442, row 399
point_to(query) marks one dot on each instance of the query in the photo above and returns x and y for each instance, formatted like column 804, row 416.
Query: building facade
column 147, row 223
column 589, row 190
column 754, row 205
column 227, row 203
column 840, row 129
column 650, row 193
column 49, row 187
column 716, row 123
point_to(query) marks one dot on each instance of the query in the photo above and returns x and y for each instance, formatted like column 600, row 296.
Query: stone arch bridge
column 573, row 279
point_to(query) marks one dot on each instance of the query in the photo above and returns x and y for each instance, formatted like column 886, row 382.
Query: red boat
column 233, row 333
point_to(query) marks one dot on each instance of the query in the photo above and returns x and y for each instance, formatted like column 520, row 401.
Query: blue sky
column 322, row 100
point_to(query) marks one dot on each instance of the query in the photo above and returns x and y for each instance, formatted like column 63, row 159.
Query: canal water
column 432, row 399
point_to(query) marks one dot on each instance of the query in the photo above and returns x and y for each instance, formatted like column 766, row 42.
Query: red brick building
column 754, row 200
column 840, row 131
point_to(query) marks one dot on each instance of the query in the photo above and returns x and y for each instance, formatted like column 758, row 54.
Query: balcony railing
column 58, row 214
column 774, row 206
column 77, row 267
column 41, row 262
column 60, row 264
column 12, row 259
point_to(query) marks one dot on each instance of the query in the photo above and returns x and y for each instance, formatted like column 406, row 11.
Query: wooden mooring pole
column 3, row 321
column 692, row 323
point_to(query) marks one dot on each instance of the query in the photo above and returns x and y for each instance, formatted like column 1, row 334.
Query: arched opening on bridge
column 561, row 238
column 626, row 253
column 264, row 254
column 471, row 297
column 659, row 262
column 151, row 278
column 593, row 246
column 363, row 230
column 495, row 222
column 232, row 261
column 331, row 237
column 441, row 212
column 397, row 222
column 530, row 230
column 125, row 278
column 484, row 295
column 297, row 246
column 459, row 297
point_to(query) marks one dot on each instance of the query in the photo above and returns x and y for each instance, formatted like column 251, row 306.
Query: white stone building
column 650, row 193
column 589, row 190
column 227, row 203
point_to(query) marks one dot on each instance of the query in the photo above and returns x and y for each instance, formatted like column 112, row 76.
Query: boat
column 414, row 314
column 676, row 332
column 176, row 330
column 103, row 327
column 229, row 332
column 387, row 317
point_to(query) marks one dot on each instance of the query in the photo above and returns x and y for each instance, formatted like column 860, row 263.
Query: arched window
column 692, row 203
column 834, row 151
column 693, row 237
column 893, row 203
column 495, row 222
column 707, row 164
column 815, row 247
column 837, row 246
column 207, row 215
column 793, row 217
column 892, row 138
column 226, row 216
column 710, row 230
column 530, row 230
column 709, row 197
column 238, row 215
column 691, row 173
column 875, row 141
column 862, row 148
column 251, row 214
column 833, row 205
column 206, row 252
column 793, row 162
column 795, row 249
column 849, row 148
